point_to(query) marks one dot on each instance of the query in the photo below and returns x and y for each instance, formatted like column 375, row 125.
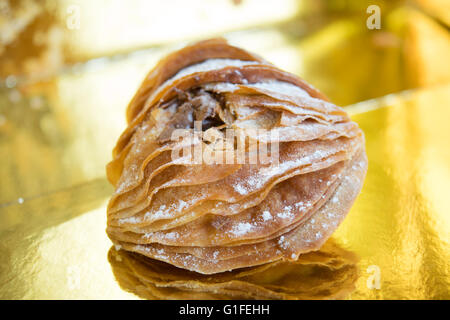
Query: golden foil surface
column 62, row 105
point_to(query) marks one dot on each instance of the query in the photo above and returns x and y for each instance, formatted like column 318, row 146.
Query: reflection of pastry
column 329, row 273
column 211, row 217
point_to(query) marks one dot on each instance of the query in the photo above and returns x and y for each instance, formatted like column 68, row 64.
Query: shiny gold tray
column 60, row 117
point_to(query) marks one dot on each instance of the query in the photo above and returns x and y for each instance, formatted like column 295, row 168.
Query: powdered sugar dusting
column 283, row 243
column 265, row 174
column 242, row 228
column 130, row 220
column 171, row 235
column 281, row 87
column 165, row 212
column 239, row 188
column 286, row 213
column 221, row 87
column 266, row 216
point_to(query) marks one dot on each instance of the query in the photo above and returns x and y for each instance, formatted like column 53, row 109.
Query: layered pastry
column 228, row 162
column 329, row 273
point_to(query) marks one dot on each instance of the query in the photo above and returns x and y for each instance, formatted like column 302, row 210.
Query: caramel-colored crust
column 211, row 218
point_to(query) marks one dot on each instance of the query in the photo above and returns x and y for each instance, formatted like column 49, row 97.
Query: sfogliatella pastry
column 229, row 162
column 329, row 273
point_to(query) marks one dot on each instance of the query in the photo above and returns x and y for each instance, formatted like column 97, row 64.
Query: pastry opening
column 197, row 105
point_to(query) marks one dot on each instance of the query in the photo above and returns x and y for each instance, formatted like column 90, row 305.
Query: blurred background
column 68, row 68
